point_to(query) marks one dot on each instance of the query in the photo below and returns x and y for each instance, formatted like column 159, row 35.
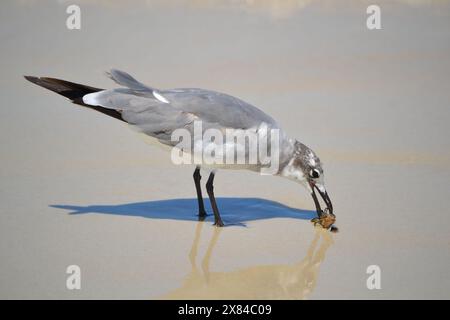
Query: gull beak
column 324, row 195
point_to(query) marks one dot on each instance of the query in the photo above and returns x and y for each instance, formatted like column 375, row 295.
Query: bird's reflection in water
column 291, row 281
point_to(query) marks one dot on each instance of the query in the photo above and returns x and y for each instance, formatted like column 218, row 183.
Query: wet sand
column 79, row 188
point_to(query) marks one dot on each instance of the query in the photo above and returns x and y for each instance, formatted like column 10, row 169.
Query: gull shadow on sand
column 234, row 211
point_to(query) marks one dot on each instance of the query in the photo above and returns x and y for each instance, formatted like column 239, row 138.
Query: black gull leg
column 210, row 189
column 198, row 187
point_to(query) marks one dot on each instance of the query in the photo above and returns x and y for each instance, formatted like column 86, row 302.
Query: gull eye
column 314, row 173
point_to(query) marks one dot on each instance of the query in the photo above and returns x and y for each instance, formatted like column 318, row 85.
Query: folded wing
column 158, row 113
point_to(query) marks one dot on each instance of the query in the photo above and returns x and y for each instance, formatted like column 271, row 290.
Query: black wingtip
column 31, row 78
column 73, row 91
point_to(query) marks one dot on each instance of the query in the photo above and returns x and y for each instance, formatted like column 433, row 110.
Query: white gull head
column 304, row 166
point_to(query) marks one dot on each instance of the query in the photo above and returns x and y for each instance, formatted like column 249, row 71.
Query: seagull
column 159, row 113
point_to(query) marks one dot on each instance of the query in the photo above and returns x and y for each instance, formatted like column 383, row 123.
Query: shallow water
column 79, row 188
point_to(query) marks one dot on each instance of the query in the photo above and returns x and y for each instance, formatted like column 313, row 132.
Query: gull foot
column 202, row 214
column 219, row 223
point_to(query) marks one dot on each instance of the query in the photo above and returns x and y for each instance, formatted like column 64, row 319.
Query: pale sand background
column 373, row 104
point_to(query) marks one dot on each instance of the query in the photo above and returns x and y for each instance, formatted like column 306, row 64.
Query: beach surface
column 79, row 188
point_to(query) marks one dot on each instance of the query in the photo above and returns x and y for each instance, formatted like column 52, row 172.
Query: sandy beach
column 79, row 188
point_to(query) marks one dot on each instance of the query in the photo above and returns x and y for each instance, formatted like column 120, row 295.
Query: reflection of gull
column 296, row 281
